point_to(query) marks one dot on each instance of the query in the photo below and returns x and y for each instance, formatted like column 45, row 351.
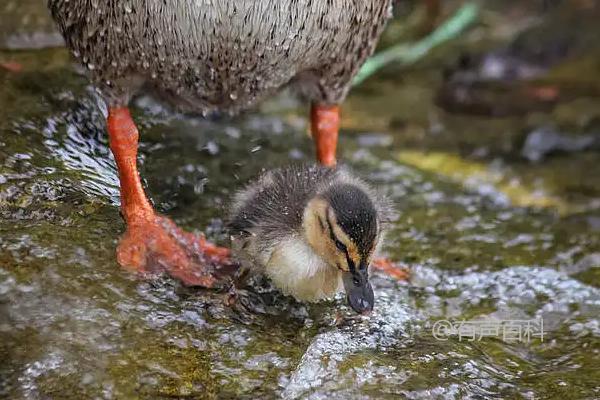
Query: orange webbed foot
column 391, row 269
column 155, row 244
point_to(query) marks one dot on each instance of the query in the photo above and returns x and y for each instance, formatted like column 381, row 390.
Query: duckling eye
column 341, row 247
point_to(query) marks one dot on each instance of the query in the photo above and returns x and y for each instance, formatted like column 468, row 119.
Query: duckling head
column 342, row 226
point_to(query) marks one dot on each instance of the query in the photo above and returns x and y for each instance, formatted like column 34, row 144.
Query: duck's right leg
column 325, row 126
column 152, row 242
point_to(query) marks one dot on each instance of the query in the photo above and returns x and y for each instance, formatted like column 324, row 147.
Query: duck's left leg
column 325, row 126
column 152, row 242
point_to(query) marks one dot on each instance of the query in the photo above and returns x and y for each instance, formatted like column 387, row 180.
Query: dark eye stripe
column 351, row 265
column 341, row 246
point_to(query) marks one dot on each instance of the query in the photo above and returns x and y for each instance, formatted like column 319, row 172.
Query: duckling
column 312, row 230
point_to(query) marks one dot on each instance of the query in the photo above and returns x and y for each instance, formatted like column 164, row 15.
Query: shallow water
column 486, row 233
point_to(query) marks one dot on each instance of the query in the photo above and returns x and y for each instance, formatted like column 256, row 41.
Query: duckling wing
column 273, row 205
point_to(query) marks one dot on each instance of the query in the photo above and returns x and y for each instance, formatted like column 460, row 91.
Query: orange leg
column 325, row 125
column 152, row 242
column 11, row 66
column 391, row 269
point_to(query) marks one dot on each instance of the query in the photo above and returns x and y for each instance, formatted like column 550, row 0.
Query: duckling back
column 273, row 205
column 222, row 54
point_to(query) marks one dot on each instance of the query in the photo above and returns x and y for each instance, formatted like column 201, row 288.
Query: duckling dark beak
column 359, row 291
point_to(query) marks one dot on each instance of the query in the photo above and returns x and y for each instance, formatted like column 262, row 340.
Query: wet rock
column 545, row 141
column 26, row 24
column 584, row 264
column 36, row 40
column 318, row 372
column 501, row 82
column 375, row 140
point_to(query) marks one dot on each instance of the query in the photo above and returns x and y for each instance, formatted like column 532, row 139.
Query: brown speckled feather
column 208, row 55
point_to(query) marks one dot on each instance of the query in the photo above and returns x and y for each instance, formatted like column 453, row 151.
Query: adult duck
column 212, row 55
